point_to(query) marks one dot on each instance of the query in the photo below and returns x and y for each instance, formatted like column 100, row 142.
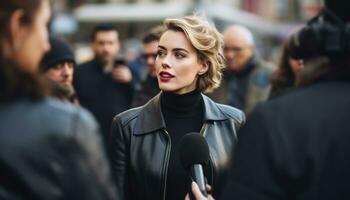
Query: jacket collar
column 151, row 118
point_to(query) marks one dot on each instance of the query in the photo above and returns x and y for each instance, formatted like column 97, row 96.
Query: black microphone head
column 193, row 150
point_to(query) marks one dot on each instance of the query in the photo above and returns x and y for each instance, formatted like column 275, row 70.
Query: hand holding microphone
column 197, row 193
column 194, row 153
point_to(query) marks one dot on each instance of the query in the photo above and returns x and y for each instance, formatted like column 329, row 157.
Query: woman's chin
column 166, row 90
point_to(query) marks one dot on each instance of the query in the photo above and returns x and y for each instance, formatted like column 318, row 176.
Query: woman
column 47, row 147
column 285, row 77
column 144, row 143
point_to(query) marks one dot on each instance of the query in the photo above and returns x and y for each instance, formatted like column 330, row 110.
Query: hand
column 121, row 74
column 197, row 193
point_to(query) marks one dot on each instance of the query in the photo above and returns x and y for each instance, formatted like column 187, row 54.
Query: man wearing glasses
column 149, row 86
column 246, row 77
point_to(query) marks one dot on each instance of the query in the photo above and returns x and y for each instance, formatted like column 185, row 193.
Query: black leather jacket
column 140, row 148
column 51, row 150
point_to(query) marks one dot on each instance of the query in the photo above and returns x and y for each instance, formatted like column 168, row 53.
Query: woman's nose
column 165, row 65
column 166, row 62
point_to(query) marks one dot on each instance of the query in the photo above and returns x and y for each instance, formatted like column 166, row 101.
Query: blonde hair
column 207, row 42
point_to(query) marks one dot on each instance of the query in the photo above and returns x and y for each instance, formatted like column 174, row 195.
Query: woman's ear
column 205, row 67
column 17, row 30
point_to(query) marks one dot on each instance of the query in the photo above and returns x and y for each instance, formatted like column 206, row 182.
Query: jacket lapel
column 211, row 110
column 151, row 119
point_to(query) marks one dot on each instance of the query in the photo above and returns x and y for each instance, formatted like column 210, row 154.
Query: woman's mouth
column 165, row 76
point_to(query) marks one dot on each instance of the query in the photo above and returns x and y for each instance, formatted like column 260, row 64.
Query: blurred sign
column 129, row 12
column 64, row 24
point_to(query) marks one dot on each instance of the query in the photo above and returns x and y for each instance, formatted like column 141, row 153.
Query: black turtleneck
column 182, row 114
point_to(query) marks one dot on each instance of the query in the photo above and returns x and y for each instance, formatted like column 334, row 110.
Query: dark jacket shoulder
column 89, row 67
column 81, row 119
column 128, row 115
column 46, row 116
column 233, row 113
column 87, row 63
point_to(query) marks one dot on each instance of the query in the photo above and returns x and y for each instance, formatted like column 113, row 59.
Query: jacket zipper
column 202, row 132
column 166, row 163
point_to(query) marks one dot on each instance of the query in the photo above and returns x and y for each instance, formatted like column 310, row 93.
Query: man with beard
column 58, row 66
column 104, row 84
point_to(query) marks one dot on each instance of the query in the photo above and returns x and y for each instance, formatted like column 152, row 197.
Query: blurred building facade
column 272, row 9
column 133, row 18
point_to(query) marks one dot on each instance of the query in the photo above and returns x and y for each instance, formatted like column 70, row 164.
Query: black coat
column 100, row 94
column 49, row 151
column 140, row 147
column 296, row 147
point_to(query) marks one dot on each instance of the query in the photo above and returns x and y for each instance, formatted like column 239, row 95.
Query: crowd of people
column 101, row 130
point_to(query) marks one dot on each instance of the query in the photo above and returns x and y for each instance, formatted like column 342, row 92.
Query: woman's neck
column 181, row 103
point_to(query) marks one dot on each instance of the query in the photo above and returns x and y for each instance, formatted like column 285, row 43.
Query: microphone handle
column 198, row 177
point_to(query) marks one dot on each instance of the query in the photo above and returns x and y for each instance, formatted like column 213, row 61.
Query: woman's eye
column 160, row 53
column 179, row 55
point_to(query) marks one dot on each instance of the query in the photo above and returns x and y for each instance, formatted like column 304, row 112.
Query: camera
column 119, row 62
column 325, row 34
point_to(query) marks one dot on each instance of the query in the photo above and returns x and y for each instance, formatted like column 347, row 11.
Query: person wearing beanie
column 58, row 66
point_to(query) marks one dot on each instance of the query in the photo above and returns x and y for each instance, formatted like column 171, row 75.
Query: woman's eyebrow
column 160, row 46
column 180, row 49
column 175, row 49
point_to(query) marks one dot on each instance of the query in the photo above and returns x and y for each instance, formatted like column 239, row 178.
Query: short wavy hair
column 208, row 43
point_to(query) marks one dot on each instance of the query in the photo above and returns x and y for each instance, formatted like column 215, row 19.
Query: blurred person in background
column 296, row 146
column 284, row 78
column 144, row 143
column 246, row 79
column 149, row 87
column 58, row 66
column 49, row 149
column 104, row 85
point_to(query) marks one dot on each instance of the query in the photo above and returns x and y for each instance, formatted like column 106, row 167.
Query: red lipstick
column 165, row 76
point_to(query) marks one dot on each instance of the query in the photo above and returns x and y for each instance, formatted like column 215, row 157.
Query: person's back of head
column 340, row 8
column 22, row 43
column 323, row 45
column 284, row 77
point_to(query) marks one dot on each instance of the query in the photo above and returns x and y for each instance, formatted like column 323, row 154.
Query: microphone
column 194, row 153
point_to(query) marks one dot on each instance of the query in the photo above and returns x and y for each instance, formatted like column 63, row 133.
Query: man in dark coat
column 104, row 84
